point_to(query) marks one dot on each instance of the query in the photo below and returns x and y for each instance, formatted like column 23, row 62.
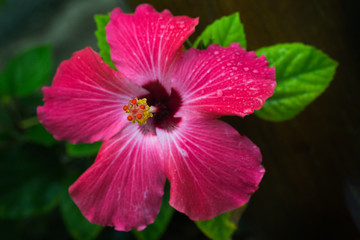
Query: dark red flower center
column 167, row 105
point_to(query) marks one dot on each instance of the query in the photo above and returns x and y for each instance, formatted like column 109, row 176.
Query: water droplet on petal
column 248, row 111
column 246, row 69
column 219, row 93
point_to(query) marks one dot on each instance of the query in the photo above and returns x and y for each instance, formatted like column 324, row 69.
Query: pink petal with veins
column 125, row 185
column 84, row 103
column 211, row 168
column 223, row 81
column 144, row 45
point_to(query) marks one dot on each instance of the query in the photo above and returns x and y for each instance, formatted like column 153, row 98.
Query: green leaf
column 38, row 134
column 82, row 149
column 218, row 228
column 78, row 226
column 26, row 72
column 156, row 230
column 302, row 74
column 223, row 226
column 223, row 31
column 101, row 22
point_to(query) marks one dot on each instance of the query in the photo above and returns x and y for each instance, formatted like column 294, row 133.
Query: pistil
column 139, row 111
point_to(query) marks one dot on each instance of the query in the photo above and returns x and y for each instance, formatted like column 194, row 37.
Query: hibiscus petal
column 211, row 168
column 125, row 185
column 144, row 45
column 223, row 81
column 84, row 103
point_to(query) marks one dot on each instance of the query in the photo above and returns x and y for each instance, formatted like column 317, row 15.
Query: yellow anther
column 139, row 111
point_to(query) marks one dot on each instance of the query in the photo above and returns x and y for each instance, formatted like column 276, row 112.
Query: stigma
column 138, row 111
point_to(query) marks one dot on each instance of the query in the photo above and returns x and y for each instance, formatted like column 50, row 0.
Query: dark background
column 310, row 160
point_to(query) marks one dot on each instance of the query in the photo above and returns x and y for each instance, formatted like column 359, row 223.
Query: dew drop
column 246, row 69
column 247, row 111
column 216, row 52
column 219, row 93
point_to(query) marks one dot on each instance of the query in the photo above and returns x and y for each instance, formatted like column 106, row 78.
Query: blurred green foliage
column 82, row 149
column 26, row 72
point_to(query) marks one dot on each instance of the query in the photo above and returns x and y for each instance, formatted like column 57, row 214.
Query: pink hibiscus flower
column 175, row 96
